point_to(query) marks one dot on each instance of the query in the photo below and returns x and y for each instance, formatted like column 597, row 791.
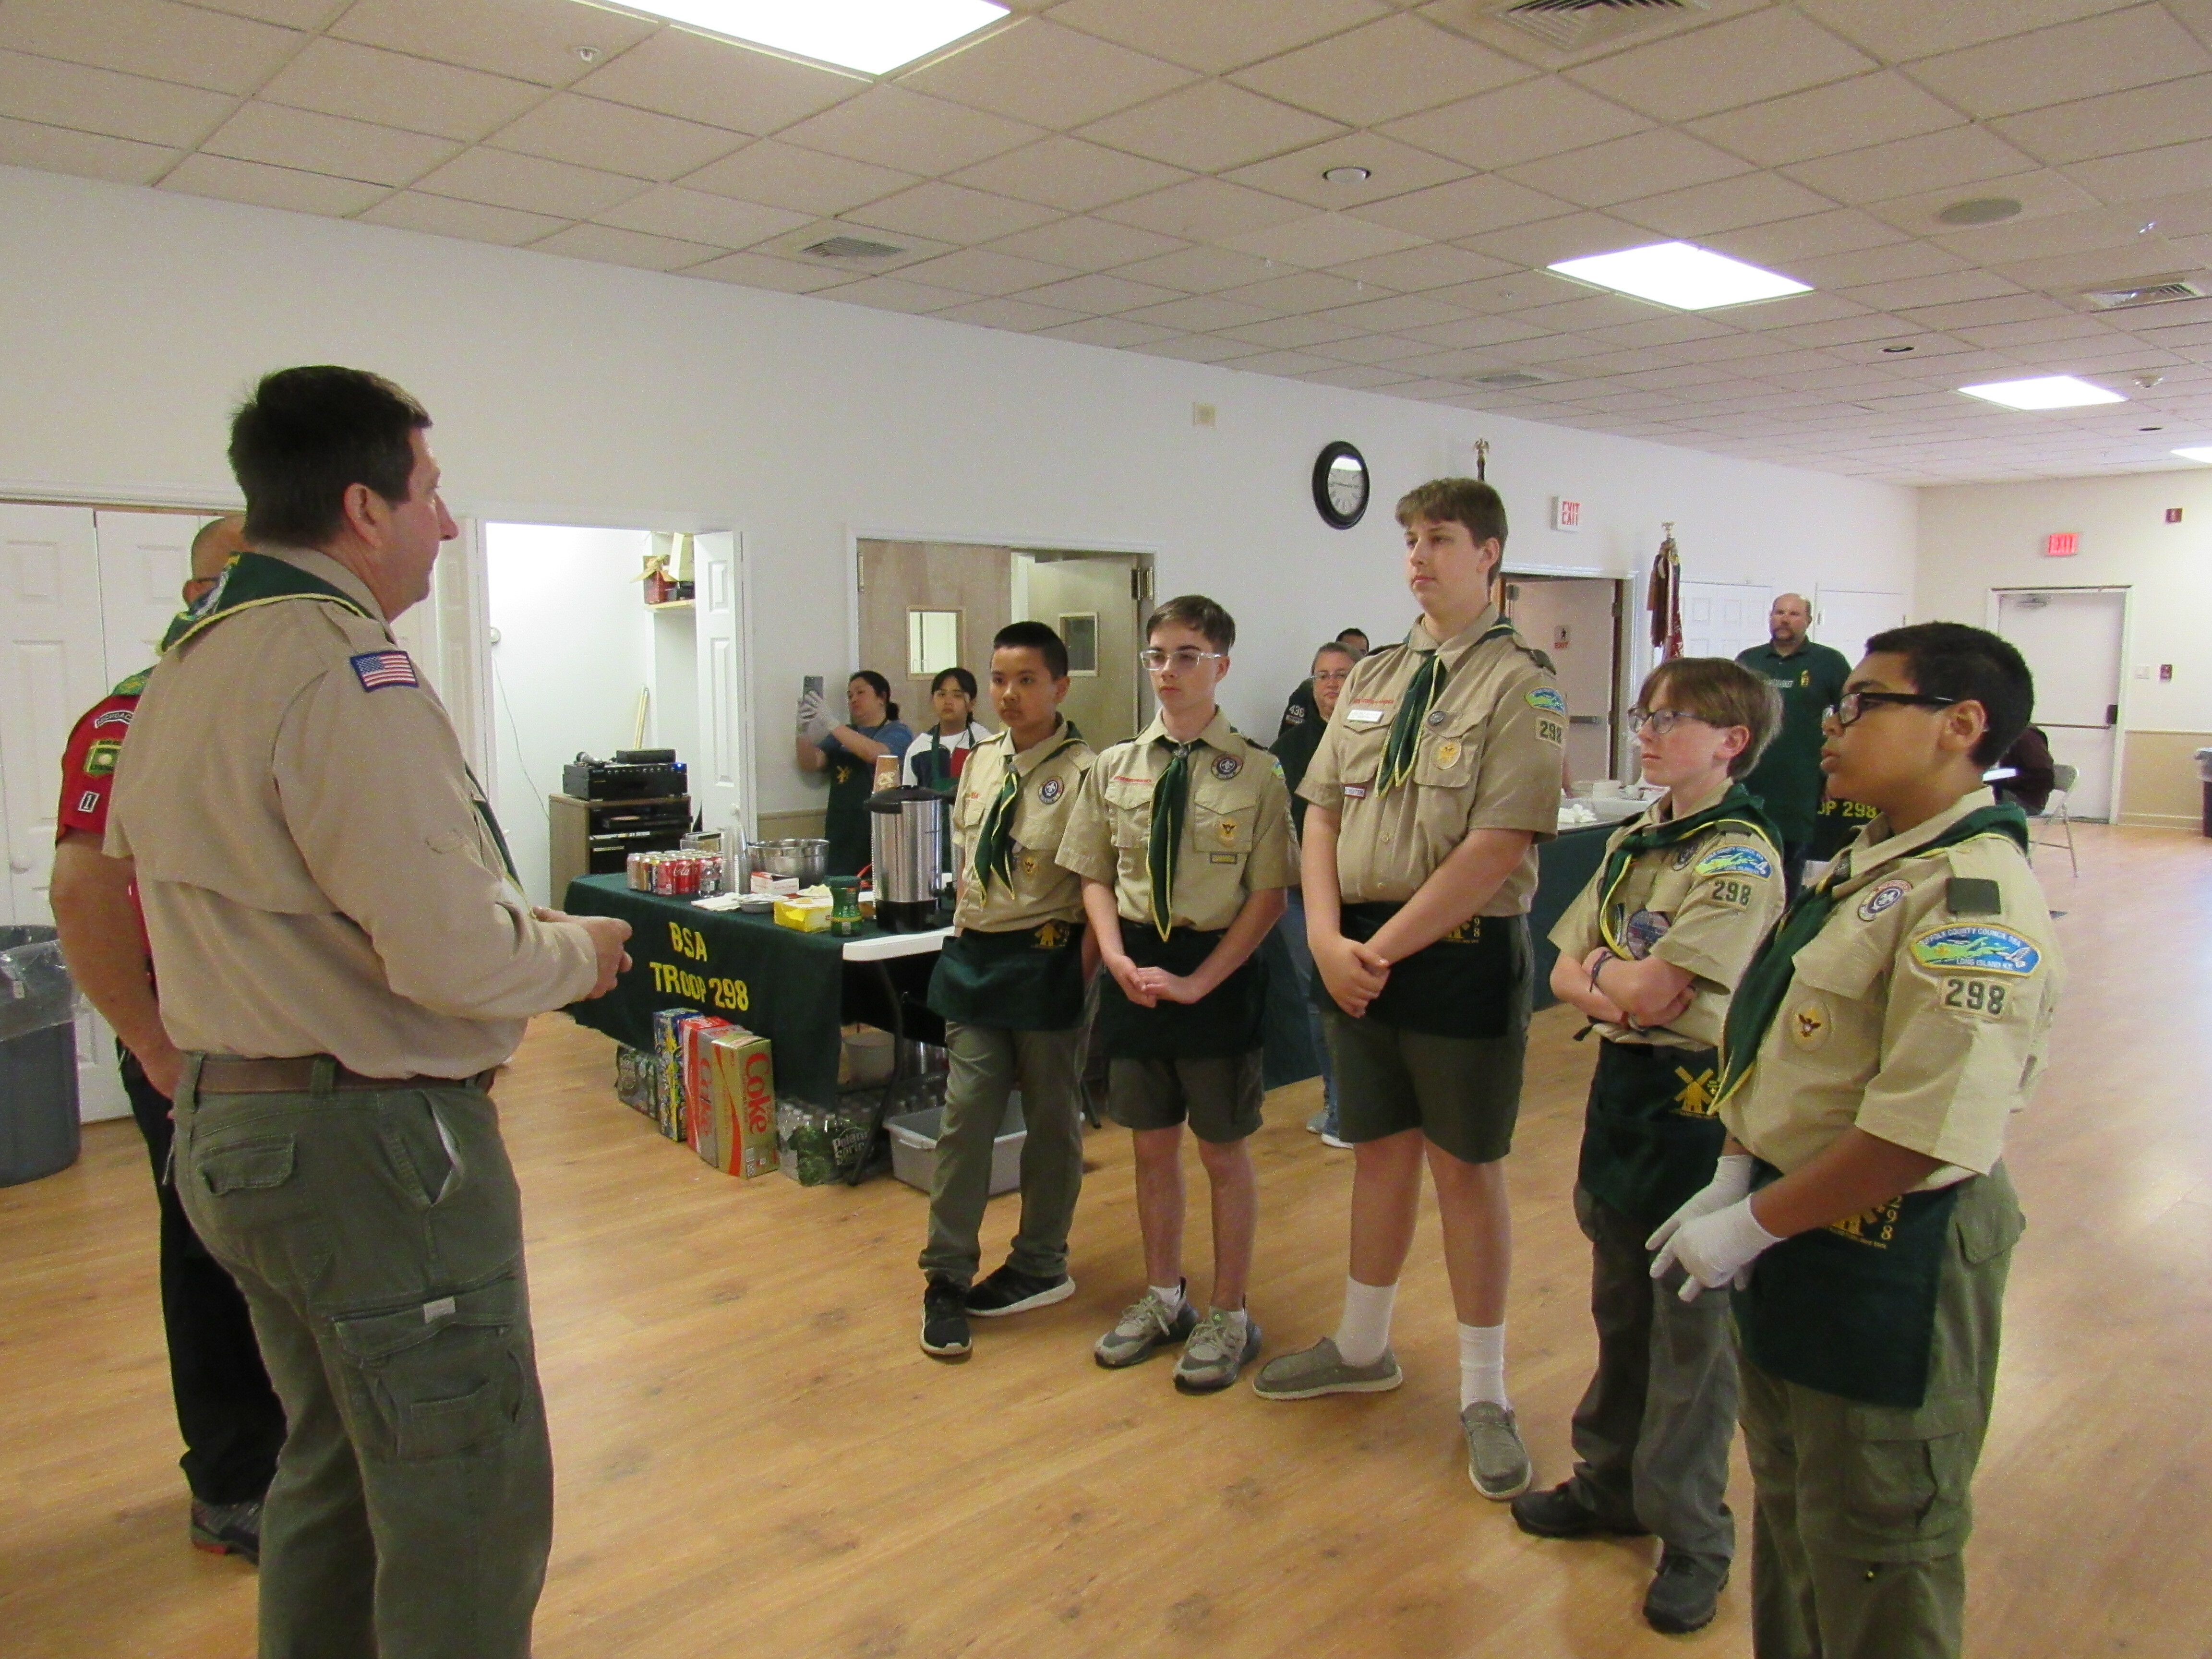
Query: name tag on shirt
column 1366, row 713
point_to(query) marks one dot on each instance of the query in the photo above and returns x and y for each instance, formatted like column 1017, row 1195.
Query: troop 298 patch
column 1050, row 790
column 1963, row 945
column 1884, row 897
column 1227, row 766
column 1547, row 699
column 1735, row 861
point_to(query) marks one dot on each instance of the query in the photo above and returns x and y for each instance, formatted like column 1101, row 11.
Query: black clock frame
column 1329, row 455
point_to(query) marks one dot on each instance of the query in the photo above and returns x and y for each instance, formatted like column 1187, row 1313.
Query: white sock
column 1236, row 1317
column 1482, row 1365
column 1365, row 1331
column 1171, row 1298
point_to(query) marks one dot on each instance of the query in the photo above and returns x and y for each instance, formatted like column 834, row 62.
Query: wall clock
column 1340, row 485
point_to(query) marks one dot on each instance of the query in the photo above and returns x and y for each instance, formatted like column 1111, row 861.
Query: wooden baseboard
column 2160, row 821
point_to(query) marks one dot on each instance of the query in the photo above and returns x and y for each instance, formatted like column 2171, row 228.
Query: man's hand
column 607, row 934
column 1129, row 978
column 1353, row 972
column 164, row 1068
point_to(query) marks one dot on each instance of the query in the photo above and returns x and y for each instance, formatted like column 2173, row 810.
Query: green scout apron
column 1225, row 1023
column 1849, row 1309
column 1650, row 1137
column 1472, row 982
column 852, row 780
column 1028, row 979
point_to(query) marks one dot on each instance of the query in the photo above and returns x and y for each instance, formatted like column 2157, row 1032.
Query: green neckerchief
column 251, row 580
column 1414, row 707
column 1736, row 806
column 1759, row 993
column 1170, row 806
column 994, row 841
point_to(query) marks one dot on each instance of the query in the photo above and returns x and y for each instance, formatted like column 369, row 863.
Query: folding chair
column 2055, row 816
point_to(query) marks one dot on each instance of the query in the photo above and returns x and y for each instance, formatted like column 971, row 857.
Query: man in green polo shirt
column 1810, row 678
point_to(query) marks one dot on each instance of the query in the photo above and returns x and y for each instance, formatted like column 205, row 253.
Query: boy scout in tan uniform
column 1185, row 846
column 1009, row 987
column 1875, row 1050
column 344, row 957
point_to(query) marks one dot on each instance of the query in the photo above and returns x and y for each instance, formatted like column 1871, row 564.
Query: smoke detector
column 1570, row 25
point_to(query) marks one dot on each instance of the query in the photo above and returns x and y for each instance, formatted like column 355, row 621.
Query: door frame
column 1628, row 646
column 1991, row 608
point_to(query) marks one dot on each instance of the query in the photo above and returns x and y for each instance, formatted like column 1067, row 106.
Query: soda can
column 640, row 872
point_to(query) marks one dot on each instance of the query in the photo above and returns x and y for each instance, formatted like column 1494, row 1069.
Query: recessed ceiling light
column 1981, row 211
column 1891, row 351
column 1347, row 175
column 872, row 36
column 2044, row 392
column 1679, row 275
column 2204, row 455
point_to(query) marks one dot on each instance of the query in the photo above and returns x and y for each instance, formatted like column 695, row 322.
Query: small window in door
column 932, row 642
column 1079, row 631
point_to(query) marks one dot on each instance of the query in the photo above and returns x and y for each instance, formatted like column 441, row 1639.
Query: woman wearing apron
column 934, row 760
column 848, row 753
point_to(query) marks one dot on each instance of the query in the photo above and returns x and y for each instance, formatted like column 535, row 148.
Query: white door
column 1844, row 619
column 1722, row 618
column 2071, row 639
column 144, row 558
column 718, row 775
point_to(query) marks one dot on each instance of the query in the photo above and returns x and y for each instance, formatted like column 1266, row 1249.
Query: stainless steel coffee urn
column 907, row 831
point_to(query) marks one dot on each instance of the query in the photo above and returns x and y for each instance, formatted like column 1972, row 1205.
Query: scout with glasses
column 1439, row 774
column 1876, row 1048
column 1650, row 952
column 1182, row 838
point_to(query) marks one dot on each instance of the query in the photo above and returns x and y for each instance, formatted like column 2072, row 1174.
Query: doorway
column 1576, row 621
column 2072, row 637
column 1844, row 619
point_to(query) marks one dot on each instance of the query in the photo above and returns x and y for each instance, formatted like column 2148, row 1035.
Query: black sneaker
column 229, row 1528
column 1560, row 1514
column 944, row 1320
column 1685, row 1594
column 1011, row 1291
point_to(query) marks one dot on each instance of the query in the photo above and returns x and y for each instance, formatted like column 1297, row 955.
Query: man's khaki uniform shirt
column 1041, row 890
column 1237, row 836
column 1918, row 1013
column 1703, row 906
column 1490, row 759
column 315, row 873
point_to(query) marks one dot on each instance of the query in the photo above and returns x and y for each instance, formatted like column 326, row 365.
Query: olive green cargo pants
column 378, row 1238
column 1861, row 1512
column 987, row 1062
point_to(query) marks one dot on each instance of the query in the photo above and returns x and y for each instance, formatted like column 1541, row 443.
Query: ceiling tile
column 1551, row 241
column 274, row 187
column 1517, row 292
column 1398, row 313
column 895, row 128
column 1021, row 316
column 805, row 181
column 1842, row 230
column 759, row 271
column 1221, row 34
column 675, row 72
column 1752, row 198
column 1210, row 126
column 476, row 222
column 1896, row 261
column 1100, row 295
column 2130, row 48
column 530, row 184
column 693, row 215
column 2146, row 173
column 1037, row 71
column 1937, row 290
column 1279, row 333
column 1300, row 291
column 1199, row 269
column 1326, row 239
column 591, row 132
column 1417, row 268
column 327, row 144
column 953, row 214
column 896, row 293
column 151, row 38
column 1200, row 349
column 1466, row 207
column 1087, row 244
column 1393, row 169
column 1473, row 331
column 292, row 14
column 1591, row 311
column 1645, row 164
column 1375, row 348
column 2142, row 118
column 609, row 246
column 2041, row 194
column 1389, row 68
column 1672, row 330
column 339, row 78
column 1069, row 174
column 983, row 270
column 1958, row 155
column 1854, row 114
column 912, row 249
column 1520, row 123
column 86, row 154
column 1285, row 362
column 1204, row 209
column 1356, row 378
column 1201, row 313
column 1792, row 308
column 100, row 101
column 1740, row 61
column 1117, row 332
column 527, row 40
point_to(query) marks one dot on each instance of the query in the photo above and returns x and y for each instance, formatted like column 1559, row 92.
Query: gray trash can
column 37, row 1056
column 2204, row 774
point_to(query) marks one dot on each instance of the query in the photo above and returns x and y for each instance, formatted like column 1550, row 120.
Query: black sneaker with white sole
column 944, row 1320
column 1011, row 1291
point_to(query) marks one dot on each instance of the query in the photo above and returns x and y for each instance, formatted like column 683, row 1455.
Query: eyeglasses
column 1660, row 720
column 1331, row 675
column 1185, row 662
column 1854, row 704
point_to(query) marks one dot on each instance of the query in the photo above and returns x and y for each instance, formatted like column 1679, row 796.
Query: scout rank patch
column 1050, row 791
column 1809, row 1024
column 1227, row 767
column 1884, row 897
column 1965, row 947
column 1735, row 861
column 1448, row 752
column 378, row 669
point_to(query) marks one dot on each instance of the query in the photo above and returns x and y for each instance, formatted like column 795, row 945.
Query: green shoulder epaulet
column 133, row 684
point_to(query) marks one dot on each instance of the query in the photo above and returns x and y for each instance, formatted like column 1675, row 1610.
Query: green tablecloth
column 1564, row 866
column 795, row 988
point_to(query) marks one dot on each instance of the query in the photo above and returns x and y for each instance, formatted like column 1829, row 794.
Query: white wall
column 133, row 320
column 575, row 647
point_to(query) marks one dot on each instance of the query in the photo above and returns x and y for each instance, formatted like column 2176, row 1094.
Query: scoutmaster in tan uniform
column 1910, row 994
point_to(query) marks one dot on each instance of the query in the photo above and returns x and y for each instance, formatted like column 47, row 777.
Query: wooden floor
column 755, row 1458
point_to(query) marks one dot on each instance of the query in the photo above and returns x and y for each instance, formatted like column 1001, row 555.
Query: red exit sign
column 2061, row 543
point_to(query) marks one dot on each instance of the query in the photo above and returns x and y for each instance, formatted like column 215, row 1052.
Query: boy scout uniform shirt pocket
column 1040, row 888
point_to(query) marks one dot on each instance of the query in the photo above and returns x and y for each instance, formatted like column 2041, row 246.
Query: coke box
column 699, row 1033
column 740, row 1136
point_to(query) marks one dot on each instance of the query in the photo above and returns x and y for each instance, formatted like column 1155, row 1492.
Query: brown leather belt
column 222, row 1074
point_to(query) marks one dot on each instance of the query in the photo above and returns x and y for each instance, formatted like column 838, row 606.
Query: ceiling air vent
column 2159, row 293
column 1508, row 380
column 852, row 247
column 1570, row 25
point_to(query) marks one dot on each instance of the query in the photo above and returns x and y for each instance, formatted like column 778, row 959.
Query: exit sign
column 1566, row 514
column 2061, row 543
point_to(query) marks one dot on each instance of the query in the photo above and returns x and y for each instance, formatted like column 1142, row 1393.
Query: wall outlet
column 1204, row 415
column 2173, row 515
column 2165, row 670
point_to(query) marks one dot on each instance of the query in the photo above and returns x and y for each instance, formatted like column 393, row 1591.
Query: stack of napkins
column 807, row 910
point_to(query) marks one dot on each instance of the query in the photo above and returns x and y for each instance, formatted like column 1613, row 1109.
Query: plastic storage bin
column 914, row 1147
column 37, row 1056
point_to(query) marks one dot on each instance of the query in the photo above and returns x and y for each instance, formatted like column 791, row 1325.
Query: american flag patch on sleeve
column 378, row 669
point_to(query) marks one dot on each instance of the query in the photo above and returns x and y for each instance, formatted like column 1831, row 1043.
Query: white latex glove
column 1731, row 1181
column 1715, row 1248
column 814, row 721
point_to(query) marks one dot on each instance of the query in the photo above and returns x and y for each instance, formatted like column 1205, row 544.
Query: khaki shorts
column 1218, row 1098
column 1463, row 1093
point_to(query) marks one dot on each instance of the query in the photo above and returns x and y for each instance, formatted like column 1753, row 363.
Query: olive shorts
column 1463, row 1093
column 1219, row 1098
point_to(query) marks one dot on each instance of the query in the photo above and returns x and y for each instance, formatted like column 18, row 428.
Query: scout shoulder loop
column 1738, row 808
column 250, row 580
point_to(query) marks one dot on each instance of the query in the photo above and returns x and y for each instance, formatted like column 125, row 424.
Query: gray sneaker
column 1143, row 1328
column 1214, row 1356
column 1496, row 1462
column 1321, row 1370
